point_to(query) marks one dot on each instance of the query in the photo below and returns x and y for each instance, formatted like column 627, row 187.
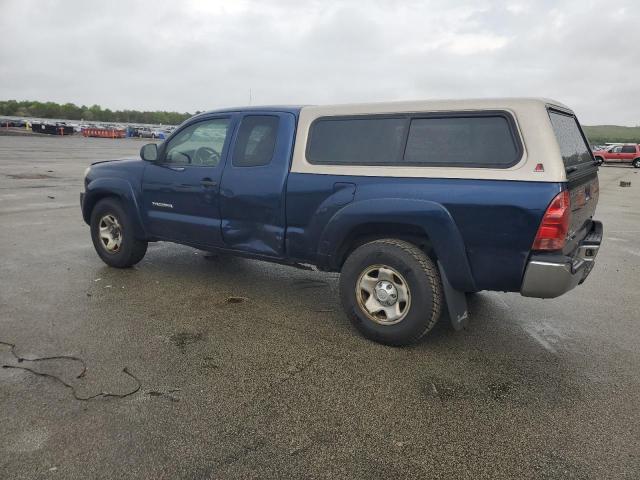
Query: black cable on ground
column 39, row 359
column 60, row 380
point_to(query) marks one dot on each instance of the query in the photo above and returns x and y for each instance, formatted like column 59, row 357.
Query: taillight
column 555, row 224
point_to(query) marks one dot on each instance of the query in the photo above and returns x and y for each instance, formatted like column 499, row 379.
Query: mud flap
column 456, row 302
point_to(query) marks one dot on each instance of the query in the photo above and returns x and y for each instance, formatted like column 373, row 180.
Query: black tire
column 422, row 279
column 131, row 250
column 636, row 163
column 599, row 160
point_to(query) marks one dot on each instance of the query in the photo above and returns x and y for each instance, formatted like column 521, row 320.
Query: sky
column 186, row 55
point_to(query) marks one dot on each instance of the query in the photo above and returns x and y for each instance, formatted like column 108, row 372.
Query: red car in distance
column 628, row 153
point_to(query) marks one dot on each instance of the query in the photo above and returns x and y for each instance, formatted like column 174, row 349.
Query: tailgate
column 584, row 193
column 582, row 174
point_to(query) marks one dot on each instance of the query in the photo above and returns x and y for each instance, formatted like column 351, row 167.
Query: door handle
column 207, row 182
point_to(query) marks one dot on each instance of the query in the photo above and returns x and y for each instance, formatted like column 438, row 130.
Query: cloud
column 472, row 44
column 193, row 55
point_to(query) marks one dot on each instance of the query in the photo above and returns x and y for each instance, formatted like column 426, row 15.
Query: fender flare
column 114, row 187
column 430, row 217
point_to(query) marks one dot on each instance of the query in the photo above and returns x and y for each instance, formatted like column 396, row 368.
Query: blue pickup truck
column 416, row 204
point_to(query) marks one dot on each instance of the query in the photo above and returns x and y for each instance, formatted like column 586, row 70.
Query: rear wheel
column 112, row 235
column 391, row 291
column 636, row 163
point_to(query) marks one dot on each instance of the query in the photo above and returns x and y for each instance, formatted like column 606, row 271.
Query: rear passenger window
column 628, row 149
column 356, row 141
column 256, row 141
column 478, row 141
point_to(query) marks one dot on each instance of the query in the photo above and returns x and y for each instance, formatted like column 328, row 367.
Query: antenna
column 249, row 96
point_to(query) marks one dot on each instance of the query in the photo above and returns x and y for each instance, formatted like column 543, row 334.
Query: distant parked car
column 628, row 153
column 5, row 122
column 59, row 128
column 161, row 134
column 145, row 133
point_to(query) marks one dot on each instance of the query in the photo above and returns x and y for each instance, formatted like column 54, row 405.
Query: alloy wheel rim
column 383, row 294
column 110, row 233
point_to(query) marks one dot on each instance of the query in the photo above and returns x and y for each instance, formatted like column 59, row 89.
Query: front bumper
column 86, row 219
column 549, row 276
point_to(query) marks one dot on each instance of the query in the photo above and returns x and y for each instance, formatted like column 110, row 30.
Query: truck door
column 615, row 154
column 252, row 191
column 181, row 190
column 627, row 153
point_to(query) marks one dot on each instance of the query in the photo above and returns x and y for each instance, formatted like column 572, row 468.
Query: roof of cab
column 293, row 109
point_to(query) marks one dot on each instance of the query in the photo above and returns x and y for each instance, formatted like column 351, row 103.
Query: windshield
column 573, row 147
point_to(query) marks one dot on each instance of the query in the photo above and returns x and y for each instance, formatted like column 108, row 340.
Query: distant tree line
column 598, row 134
column 70, row 111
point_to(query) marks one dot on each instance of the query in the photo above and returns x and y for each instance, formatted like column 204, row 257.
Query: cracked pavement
column 278, row 384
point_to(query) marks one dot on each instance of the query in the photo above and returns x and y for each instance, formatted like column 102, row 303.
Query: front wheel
column 599, row 160
column 391, row 291
column 636, row 163
column 112, row 235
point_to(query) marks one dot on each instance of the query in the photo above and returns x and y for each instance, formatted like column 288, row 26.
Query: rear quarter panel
column 497, row 219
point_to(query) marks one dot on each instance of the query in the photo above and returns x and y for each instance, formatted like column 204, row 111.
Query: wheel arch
column 371, row 231
column 119, row 189
column 426, row 224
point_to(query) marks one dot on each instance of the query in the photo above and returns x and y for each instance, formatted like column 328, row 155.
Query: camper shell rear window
column 573, row 145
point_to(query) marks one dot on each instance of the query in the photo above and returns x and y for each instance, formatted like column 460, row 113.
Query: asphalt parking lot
column 250, row 370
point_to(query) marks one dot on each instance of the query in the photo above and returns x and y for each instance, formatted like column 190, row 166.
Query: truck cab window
column 256, row 141
column 199, row 144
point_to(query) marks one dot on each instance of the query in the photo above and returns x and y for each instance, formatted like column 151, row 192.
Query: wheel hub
column 110, row 233
column 386, row 293
column 383, row 294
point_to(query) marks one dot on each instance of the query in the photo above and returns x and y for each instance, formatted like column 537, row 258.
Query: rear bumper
column 549, row 276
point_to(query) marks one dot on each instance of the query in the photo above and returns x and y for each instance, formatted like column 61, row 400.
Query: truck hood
column 119, row 160
column 131, row 170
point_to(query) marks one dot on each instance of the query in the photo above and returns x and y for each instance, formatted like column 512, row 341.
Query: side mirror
column 149, row 152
